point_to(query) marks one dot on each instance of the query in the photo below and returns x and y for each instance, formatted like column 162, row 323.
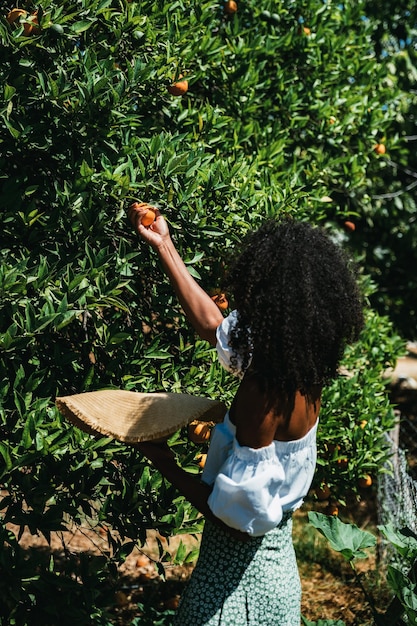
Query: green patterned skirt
column 254, row 583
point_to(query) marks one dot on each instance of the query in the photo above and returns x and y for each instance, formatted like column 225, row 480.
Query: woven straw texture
column 133, row 417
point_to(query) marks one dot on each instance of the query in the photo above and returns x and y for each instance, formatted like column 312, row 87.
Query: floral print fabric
column 235, row 583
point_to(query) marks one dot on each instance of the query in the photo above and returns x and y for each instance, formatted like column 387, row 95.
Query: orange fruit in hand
column 230, row 7
column 199, row 432
column 179, row 88
column 221, row 301
column 148, row 218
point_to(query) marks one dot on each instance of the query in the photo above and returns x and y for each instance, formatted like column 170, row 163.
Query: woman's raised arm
column 199, row 308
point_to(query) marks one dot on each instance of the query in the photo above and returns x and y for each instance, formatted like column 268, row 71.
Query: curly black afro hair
column 296, row 291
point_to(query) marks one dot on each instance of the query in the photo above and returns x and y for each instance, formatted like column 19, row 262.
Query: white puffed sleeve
column 224, row 351
column 246, row 491
column 221, row 443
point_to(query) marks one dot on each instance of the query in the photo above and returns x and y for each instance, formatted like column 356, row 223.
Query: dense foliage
column 285, row 105
column 387, row 223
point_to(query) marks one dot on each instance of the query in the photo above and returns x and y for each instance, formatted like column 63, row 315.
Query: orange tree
column 386, row 233
column 285, row 103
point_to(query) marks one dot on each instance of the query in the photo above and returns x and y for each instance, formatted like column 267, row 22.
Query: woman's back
column 258, row 420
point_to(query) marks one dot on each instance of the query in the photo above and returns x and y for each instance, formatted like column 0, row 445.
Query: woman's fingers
column 137, row 210
column 148, row 222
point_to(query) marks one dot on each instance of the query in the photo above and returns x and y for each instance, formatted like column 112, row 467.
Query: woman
column 297, row 305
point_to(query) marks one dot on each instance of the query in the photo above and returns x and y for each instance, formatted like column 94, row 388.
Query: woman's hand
column 162, row 457
column 155, row 234
column 158, row 452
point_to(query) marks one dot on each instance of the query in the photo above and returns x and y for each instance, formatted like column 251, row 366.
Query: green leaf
column 65, row 319
column 9, row 92
column 409, row 599
column 180, row 553
column 347, row 539
column 81, row 26
column 398, row 581
column 192, row 556
column 119, row 338
column 144, row 480
column 27, row 435
column 322, row 622
column 157, row 354
column 12, row 130
column 176, row 164
column 124, row 551
column 5, row 453
column 403, row 540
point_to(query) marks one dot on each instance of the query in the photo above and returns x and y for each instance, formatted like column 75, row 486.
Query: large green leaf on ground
column 345, row 538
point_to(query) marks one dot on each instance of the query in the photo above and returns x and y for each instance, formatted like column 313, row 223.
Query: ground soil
column 328, row 585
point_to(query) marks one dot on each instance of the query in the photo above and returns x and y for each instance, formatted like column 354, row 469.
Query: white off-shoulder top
column 253, row 487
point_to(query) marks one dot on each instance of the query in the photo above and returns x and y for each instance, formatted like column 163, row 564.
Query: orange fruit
column 380, row 148
column 14, row 14
column 142, row 560
column 342, row 462
column 363, row 423
column 150, row 215
column 350, row 226
column 179, row 88
column 32, row 28
column 365, row 481
column 230, row 7
column 148, row 218
column 332, row 509
column 202, row 458
column 221, row 301
column 306, row 30
column 323, row 492
column 199, row 432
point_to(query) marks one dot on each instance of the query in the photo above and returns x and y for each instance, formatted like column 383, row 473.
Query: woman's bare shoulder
column 258, row 422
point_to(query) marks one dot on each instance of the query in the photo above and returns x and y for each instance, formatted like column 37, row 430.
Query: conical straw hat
column 132, row 416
